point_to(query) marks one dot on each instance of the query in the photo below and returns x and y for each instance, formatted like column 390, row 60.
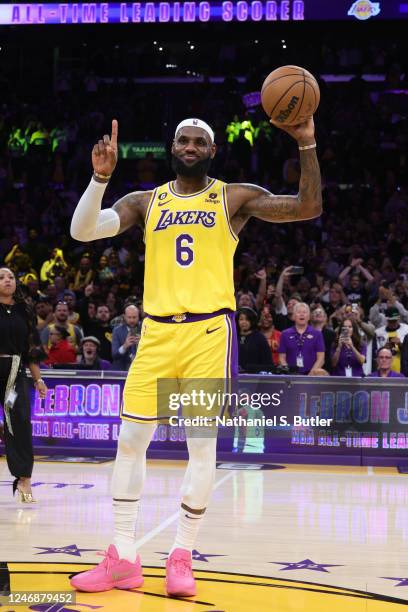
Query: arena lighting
column 199, row 12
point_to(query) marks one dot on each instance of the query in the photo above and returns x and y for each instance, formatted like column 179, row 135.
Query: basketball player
column 191, row 228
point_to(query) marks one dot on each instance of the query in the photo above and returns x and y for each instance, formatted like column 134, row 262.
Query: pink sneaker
column 179, row 574
column 110, row 573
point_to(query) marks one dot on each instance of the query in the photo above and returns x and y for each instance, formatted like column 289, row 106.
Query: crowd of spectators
column 341, row 279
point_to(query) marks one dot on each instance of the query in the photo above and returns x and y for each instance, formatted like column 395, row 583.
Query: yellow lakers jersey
column 190, row 247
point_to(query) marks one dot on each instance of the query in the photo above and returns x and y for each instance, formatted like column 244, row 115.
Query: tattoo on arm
column 310, row 186
column 307, row 204
column 130, row 210
column 264, row 205
column 281, row 208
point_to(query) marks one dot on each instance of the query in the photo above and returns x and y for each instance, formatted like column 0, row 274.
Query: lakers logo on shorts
column 179, row 318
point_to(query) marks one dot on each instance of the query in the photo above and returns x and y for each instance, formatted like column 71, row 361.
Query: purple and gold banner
column 285, row 418
column 199, row 12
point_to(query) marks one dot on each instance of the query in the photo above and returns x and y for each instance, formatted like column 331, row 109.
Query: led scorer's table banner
column 200, row 12
column 287, row 418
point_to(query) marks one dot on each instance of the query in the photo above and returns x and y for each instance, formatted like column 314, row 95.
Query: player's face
column 192, row 152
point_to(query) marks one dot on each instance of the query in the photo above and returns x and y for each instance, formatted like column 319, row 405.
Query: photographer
column 125, row 339
column 349, row 353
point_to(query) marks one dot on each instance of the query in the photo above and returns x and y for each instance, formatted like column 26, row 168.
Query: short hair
column 130, row 306
column 384, row 348
column 102, row 305
column 301, row 305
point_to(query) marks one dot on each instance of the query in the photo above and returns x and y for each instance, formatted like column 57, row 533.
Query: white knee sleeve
column 199, row 478
column 130, row 465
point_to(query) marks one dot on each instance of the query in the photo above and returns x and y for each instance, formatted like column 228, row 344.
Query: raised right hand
column 105, row 153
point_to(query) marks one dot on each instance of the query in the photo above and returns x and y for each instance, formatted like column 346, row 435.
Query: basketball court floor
column 298, row 538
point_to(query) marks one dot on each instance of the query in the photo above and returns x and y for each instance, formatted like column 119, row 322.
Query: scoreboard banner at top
column 199, row 12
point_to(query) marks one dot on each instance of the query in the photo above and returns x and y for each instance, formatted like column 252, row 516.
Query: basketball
column 290, row 95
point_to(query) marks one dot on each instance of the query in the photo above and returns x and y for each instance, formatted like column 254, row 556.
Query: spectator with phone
column 367, row 333
column 126, row 338
column 318, row 319
column 349, row 354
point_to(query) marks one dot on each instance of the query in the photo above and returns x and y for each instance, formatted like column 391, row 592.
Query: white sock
column 125, row 517
column 187, row 529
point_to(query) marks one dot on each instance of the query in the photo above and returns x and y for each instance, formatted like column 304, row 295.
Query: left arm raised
column 254, row 201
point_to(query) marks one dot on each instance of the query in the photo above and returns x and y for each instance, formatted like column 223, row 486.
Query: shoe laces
column 107, row 562
column 181, row 566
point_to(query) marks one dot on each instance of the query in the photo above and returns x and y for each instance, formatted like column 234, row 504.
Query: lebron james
column 191, row 227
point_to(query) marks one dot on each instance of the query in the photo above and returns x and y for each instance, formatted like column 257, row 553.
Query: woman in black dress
column 19, row 347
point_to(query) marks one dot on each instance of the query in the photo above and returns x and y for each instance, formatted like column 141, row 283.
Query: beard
column 197, row 170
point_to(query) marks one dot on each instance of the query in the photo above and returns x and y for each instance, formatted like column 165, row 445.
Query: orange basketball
column 290, row 95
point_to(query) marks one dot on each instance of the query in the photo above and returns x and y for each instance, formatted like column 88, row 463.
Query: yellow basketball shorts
column 190, row 346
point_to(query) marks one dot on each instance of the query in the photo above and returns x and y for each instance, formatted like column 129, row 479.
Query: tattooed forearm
column 310, row 187
column 268, row 207
column 260, row 203
column 278, row 208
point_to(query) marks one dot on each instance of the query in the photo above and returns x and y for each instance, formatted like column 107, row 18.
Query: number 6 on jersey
column 184, row 254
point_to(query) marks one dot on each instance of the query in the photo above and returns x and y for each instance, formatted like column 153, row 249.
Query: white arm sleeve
column 89, row 221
